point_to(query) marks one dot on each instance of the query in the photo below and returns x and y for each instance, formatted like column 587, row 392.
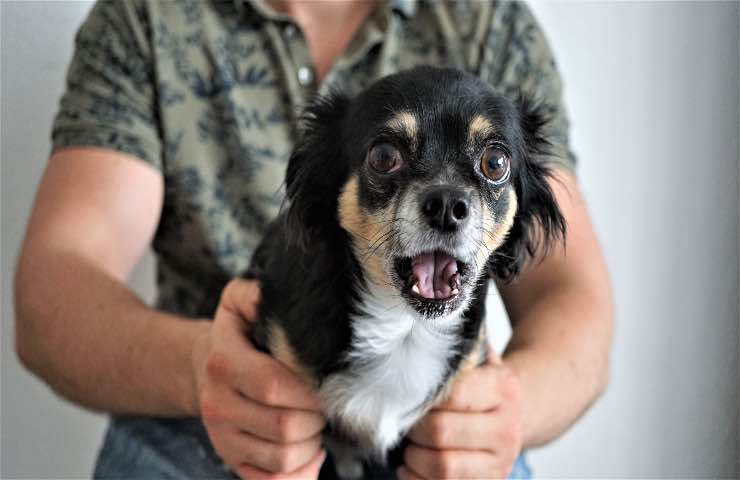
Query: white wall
column 42, row 436
column 653, row 95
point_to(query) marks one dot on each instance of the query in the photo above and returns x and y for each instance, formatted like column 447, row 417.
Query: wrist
column 199, row 346
column 525, row 362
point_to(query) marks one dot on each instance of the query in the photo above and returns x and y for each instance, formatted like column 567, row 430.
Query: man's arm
column 78, row 325
column 562, row 318
column 555, row 366
column 81, row 330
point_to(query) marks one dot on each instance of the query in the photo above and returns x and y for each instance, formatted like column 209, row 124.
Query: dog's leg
column 346, row 456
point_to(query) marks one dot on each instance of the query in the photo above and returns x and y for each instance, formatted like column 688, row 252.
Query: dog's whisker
column 384, row 376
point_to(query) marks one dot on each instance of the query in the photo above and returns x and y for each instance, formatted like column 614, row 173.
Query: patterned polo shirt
column 209, row 93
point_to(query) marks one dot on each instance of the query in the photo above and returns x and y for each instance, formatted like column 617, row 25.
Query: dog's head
column 434, row 177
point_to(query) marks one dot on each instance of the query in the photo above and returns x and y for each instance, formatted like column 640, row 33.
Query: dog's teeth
column 415, row 289
column 454, row 291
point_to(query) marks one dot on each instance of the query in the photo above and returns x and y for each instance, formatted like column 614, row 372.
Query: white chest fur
column 396, row 365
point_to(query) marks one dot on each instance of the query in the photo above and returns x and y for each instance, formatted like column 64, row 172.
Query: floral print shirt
column 208, row 93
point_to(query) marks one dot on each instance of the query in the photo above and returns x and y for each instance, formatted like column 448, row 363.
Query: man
column 175, row 129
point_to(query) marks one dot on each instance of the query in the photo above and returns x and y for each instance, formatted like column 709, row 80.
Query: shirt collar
column 406, row 7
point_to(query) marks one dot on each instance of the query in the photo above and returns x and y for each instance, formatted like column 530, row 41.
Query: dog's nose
column 445, row 207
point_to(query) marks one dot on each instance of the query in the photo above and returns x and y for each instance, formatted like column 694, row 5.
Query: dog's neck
column 396, row 367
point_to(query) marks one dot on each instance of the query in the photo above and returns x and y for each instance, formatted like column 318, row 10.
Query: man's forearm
column 560, row 352
column 562, row 318
column 97, row 344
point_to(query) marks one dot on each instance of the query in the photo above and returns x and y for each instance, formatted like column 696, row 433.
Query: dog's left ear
column 538, row 221
column 315, row 169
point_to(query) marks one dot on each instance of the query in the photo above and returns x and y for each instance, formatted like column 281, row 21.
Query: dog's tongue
column 434, row 275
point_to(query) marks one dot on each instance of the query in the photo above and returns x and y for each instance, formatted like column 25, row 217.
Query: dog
column 403, row 202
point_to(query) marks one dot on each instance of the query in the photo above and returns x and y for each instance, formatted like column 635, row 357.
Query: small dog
column 403, row 201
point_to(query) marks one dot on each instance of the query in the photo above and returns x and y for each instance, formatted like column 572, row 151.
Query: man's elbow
column 602, row 374
column 602, row 382
column 30, row 343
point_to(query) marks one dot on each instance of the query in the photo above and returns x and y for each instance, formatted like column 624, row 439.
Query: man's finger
column 235, row 360
column 306, row 472
column 274, row 424
column 455, row 430
column 241, row 298
column 271, row 383
column 476, row 390
column 260, row 377
column 240, row 447
column 450, row 464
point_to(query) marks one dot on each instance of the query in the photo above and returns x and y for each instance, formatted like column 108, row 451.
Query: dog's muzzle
column 446, row 208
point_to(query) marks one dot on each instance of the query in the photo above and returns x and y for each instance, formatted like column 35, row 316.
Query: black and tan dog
column 403, row 201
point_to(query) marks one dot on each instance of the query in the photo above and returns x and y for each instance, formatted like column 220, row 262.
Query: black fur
column 309, row 274
column 538, row 222
column 314, row 175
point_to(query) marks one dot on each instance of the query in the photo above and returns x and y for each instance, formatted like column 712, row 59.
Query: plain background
column 653, row 95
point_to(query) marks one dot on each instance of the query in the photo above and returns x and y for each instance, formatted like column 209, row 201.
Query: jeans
column 159, row 448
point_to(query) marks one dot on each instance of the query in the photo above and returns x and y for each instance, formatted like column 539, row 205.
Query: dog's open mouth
column 432, row 276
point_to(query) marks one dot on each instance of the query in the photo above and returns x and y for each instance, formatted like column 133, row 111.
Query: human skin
column 561, row 313
column 95, row 342
column 555, row 366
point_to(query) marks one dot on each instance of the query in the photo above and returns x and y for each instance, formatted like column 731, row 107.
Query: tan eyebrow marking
column 405, row 124
column 479, row 127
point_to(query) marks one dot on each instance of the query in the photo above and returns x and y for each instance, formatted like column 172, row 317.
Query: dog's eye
column 385, row 158
column 495, row 164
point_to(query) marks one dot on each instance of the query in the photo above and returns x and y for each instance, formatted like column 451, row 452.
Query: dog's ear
column 316, row 169
column 538, row 221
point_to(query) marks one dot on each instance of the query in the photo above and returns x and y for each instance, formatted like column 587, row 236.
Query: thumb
column 240, row 299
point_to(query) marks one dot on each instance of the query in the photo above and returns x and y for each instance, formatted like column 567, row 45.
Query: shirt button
column 305, row 76
column 290, row 31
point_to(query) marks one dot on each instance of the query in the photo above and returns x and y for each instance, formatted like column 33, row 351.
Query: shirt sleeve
column 110, row 96
column 517, row 59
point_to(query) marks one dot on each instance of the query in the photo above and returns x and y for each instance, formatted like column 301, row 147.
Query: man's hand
column 476, row 432
column 262, row 419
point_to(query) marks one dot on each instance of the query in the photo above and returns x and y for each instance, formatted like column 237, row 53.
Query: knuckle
column 512, row 433
column 443, row 465
column 457, row 396
column 511, row 380
column 271, row 390
column 218, row 366
column 210, row 409
column 283, row 459
column 437, row 430
column 286, row 426
column 515, row 390
column 228, row 290
column 511, row 387
column 453, row 398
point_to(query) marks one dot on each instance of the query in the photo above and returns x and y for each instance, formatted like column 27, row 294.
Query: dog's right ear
column 316, row 168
